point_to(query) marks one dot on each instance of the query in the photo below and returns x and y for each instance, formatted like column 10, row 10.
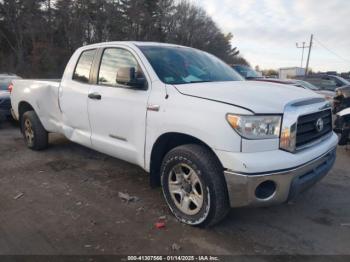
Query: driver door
column 117, row 112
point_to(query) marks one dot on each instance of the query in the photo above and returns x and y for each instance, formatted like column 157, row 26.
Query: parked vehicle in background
column 250, row 74
column 6, row 78
column 326, row 82
column 342, row 110
column 341, row 98
column 5, row 100
column 246, row 72
column 5, row 105
column 346, row 76
column 339, row 81
column 209, row 138
column 342, row 126
column 329, row 95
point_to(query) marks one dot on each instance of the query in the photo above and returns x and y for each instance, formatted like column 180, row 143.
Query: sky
column 266, row 31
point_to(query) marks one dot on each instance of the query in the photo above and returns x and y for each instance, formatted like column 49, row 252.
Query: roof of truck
column 132, row 43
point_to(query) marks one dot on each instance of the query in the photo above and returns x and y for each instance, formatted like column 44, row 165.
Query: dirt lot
column 65, row 201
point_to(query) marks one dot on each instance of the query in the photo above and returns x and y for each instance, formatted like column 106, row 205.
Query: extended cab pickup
column 209, row 138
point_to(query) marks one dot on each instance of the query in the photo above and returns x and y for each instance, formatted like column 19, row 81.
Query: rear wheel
column 194, row 186
column 34, row 133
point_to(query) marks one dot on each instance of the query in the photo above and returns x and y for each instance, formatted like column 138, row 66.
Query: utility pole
column 302, row 53
column 308, row 56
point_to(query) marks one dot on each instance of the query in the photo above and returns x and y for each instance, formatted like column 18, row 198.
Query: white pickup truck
column 209, row 138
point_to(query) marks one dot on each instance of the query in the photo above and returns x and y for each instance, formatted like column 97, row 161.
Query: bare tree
column 37, row 37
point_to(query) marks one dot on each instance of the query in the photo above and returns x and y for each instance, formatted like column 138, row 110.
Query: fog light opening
column 265, row 189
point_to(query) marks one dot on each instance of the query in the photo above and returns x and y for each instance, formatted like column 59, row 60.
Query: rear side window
column 83, row 67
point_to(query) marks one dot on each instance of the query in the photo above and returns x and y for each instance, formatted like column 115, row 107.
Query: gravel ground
column 65, row 201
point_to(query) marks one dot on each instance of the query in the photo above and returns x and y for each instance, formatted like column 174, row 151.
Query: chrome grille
column 308, row 130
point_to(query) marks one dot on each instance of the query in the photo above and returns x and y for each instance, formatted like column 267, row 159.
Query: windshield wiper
column 198, row 81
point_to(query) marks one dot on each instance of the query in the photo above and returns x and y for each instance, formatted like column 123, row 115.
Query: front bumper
column 279, row 186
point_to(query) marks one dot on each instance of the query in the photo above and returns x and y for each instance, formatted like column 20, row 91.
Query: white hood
column 259, row 97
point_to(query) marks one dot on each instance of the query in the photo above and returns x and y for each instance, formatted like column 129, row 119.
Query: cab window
column 83, row 67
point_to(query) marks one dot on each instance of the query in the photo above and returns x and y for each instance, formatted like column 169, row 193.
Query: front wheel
column 34, row 133
column 194, row 186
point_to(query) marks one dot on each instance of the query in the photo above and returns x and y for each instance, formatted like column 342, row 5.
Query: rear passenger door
column 117, row 111
column 73, row 97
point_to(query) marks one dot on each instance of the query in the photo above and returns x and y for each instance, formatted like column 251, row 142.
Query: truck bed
column 43, row 96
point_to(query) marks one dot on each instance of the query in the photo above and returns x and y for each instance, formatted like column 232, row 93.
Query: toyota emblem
column 319, row 125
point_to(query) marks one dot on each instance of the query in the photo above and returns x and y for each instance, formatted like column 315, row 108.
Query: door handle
column 153, row 108
column 95, row 96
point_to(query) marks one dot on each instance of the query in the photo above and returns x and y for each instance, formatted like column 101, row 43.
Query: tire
column 201, row 198
column 34, row 133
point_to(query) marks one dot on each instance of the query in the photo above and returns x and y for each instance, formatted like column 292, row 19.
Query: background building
column 291, row 72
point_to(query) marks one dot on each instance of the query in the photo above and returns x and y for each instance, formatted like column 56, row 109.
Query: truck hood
column 257, row 96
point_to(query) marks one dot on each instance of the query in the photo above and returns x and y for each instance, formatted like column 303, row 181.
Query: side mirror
column 127, row 76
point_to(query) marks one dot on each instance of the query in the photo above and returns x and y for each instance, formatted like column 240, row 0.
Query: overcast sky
column 266, row 31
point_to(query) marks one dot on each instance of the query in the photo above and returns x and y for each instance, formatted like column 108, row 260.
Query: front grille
column 307, row 131
column 5, row 104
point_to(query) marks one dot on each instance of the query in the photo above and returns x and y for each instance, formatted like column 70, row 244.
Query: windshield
column 181, row 65
column 246, row 71
column 307, row 85
column 343, row 80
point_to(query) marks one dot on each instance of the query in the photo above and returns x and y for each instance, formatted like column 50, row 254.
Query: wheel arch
column 23, row 107
column 163, row 145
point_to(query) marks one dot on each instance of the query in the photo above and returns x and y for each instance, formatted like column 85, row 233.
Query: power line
column 331, row 51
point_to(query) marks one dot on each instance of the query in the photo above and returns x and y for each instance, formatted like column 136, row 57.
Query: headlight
column 256, row 127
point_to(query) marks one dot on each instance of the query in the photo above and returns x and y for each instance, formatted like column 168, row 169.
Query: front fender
column 199, row 118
